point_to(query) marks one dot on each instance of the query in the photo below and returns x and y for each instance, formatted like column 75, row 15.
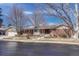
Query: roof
column 48, row 27
column 40, row 27
column 11, row 29
column 3, row 29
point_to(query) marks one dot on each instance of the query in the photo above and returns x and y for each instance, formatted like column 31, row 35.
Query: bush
column 64, row 36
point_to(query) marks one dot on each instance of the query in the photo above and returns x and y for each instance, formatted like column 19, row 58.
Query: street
column 37, row 49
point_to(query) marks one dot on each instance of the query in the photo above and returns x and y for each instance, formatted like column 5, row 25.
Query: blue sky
column 29, row 8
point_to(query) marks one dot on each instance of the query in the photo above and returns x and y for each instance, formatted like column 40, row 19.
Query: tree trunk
column 19, row 33
column 75, row 36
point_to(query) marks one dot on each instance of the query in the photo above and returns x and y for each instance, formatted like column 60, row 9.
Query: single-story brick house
column 52, row 30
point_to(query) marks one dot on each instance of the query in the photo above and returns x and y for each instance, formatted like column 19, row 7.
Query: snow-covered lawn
column 42, row 40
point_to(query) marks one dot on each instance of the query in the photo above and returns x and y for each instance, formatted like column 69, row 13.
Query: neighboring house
column 11, row 31
column 2, row 31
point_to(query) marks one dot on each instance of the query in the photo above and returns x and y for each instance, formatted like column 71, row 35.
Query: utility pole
column 76, row 35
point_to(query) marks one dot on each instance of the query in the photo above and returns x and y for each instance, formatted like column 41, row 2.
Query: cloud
column 28, row 12
column 53, row 24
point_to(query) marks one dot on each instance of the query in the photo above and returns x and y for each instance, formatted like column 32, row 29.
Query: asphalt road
column 37, row 49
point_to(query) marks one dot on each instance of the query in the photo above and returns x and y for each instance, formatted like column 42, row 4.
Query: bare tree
column 38, row 20
column 17, row 18
column 65, row 13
